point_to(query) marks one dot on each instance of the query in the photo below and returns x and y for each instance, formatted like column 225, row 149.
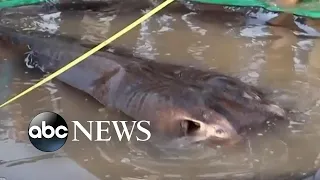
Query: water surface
column 270, row 57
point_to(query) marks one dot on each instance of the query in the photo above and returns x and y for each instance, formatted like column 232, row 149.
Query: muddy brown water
column 234, row 45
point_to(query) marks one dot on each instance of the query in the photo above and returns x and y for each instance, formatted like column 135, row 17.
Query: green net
column 308, row 8
column 14, row 3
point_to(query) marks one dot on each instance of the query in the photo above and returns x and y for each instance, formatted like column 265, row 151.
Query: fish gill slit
column 145, row 92
column 141, row 101
column 133, row 94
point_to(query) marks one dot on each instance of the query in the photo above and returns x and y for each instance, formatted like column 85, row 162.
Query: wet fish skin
column 179, row 101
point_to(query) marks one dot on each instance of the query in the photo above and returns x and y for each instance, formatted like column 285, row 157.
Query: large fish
column 178, row 101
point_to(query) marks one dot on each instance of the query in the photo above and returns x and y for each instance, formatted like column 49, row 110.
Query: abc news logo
column 48, row 131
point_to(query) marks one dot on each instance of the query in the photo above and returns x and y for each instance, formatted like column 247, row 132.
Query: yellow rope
column 92, row 51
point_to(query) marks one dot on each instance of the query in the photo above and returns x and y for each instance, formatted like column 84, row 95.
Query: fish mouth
column 215, row 141
column 212, row 142
column 220, row 133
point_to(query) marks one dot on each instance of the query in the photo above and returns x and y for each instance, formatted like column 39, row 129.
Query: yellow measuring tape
column 92, row 51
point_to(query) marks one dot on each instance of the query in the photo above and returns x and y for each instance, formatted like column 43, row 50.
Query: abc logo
column 48, row 132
